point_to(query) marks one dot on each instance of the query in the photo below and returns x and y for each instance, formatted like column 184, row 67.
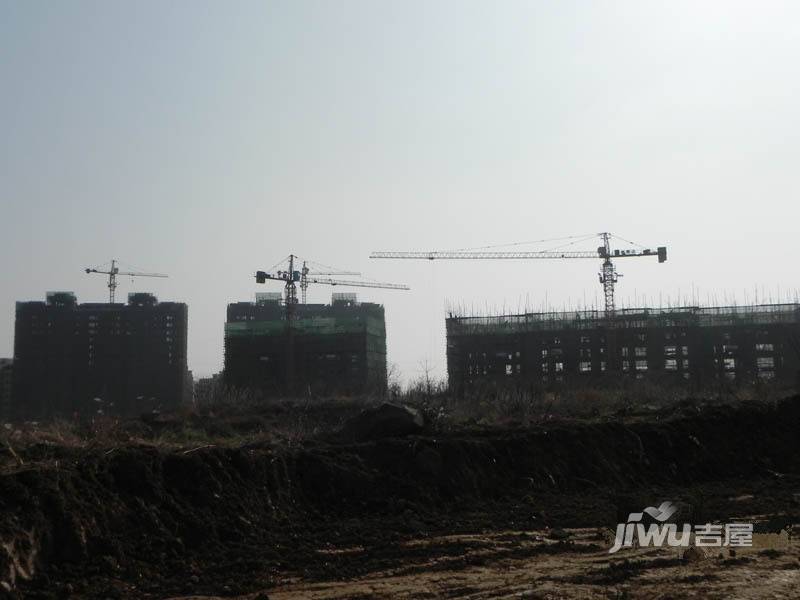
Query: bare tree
column 393, row 380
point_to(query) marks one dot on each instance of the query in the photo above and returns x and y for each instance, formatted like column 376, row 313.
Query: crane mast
column 608, row 275
column 112, row 277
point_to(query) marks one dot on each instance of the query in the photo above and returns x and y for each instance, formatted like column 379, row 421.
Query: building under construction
column 84, row 359
column 701, row 346
column 6, row 379
column 336, row 348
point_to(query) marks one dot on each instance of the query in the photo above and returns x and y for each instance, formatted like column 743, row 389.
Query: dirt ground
column 467, row 514
column 526, row 564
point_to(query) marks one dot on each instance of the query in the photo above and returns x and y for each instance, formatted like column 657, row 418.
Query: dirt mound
column 386, row 420
column 147, row 520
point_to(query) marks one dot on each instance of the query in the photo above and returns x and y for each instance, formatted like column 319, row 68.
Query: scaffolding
column 689, row 316
column 698, row 345
column 340, row 347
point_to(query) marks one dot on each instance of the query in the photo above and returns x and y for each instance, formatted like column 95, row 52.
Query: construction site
column 401, row 300
column 282, row 345
column 338, row 348
column 296, row 478
column 695, row 347
column 698, row 347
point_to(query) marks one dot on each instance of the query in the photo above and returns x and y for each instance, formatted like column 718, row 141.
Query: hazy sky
column 208, row 140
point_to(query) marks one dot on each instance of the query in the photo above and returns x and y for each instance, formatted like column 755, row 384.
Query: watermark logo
column 662, row 533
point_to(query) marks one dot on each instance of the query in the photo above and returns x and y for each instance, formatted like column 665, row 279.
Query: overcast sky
column 209, row 140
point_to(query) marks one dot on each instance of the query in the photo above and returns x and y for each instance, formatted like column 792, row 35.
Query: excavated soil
column 469, row 514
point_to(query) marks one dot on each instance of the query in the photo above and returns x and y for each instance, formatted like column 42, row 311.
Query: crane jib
column 608, row 278
column 660, row 252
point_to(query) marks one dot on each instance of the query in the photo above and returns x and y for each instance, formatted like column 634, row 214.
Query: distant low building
column 336, row 348
column 6, row 378
column 207, row 389
column 91, row 358
column 691, row 346
column 188, row 388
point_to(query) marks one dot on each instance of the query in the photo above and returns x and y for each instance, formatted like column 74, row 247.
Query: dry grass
column 493, row 406
column 235, row 418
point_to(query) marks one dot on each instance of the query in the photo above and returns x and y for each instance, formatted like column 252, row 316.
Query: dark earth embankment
column 130, row 522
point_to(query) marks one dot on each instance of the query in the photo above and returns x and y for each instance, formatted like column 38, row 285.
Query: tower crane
column 608, row 276
column 304, row 276
column 112, row 277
